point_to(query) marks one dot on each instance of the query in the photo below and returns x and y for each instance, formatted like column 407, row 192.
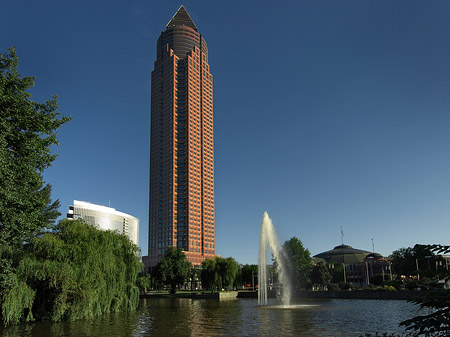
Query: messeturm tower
column 181, row 210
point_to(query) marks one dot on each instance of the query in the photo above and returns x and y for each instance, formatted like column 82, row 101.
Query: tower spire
column 181, row 18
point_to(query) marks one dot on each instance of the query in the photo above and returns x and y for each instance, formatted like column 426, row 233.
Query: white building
column 106, row 218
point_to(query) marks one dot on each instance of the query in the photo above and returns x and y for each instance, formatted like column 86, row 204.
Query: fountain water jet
column 269, row 237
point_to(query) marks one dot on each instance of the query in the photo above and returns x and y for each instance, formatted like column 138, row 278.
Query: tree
column 437, row 322
column 409, row 261
column 174, row 268
column 27, row 133
column 209, row 274
column 227, row 270
column 194, row 277
column 219, row 273
column 143, row 282
column 300, row 262
column 320, row 275
column 248, row 273
column 77, row 271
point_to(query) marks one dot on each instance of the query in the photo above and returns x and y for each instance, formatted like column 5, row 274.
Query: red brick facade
column 181, row 210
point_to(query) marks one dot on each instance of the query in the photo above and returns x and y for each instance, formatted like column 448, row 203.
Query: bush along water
column 77, row 271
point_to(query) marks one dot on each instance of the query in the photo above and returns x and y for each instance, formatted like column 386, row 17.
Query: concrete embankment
column 219, row 296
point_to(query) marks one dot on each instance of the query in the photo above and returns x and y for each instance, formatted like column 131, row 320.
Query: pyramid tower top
column 181, row 18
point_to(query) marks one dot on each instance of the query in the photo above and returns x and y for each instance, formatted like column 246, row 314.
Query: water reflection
column 118, row 324
column 187, row 317
column 287, row 318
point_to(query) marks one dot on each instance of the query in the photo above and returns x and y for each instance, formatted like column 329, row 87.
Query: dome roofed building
column 374, row 257
column 344, row 254
column 359, row 266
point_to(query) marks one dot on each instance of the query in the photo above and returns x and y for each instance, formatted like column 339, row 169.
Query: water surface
column 243, row 317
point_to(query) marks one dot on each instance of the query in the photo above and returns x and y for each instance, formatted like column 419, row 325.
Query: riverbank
column 355, row 294
column 224, row 295
column 344, row 294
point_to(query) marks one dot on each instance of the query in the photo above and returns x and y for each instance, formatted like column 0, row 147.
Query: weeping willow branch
column 72, row 273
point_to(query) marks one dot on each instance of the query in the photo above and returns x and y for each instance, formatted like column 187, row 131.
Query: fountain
column 269, row 237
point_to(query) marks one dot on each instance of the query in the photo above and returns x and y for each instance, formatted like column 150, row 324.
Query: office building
column 106, row 218
column 181, row 207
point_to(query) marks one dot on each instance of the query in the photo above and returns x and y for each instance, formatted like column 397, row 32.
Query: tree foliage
column 248, row 273
column 209, row 274
column 406, row 261
column 437, row 323
column 228, row 270
column 174, row 268
column 27, row 132
column 219, row 273
column 143, row 282
column 320, row 275
column 300, row 262
column 74, row 272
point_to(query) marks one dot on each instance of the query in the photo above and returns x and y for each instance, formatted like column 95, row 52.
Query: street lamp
column 367, row 273
column 428, row 259
column 253, row 280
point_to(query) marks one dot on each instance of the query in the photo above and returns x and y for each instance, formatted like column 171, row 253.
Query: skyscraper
column 181, row 210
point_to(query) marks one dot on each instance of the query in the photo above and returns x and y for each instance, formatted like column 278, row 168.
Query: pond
column 239, row 317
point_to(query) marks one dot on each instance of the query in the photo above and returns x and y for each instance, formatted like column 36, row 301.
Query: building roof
column 344, row 254
column 100, row 208
column 181, row 18
column 375, row 256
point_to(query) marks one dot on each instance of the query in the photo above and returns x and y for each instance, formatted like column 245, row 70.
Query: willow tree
column 219, row 273
column 209, row 275
column 77, row 271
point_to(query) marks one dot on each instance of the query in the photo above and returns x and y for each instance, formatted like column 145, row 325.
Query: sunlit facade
column 106, row 218
column 181, row 208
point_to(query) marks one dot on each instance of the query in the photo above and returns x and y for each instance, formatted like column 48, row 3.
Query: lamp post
column 428, row 259
column 345, row 276
column 253, row 280
column 367, row 273
column 331, row 266
column 417, row 267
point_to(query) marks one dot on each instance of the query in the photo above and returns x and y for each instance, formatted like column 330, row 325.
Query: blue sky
column 326, row 113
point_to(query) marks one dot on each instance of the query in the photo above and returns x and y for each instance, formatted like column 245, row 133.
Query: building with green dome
column 359, row 266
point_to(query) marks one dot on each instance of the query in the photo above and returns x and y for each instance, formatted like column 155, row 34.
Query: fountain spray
column 269, row 237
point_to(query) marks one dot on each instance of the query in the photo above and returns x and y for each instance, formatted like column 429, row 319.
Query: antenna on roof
column 342, row 236
column 373, row 247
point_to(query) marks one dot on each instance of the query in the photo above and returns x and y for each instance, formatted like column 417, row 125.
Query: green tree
column 219, row 273
column 300, row 262
column 209, row 274
column 194, row 277
column 320, row 275
column 406, row 261
column 77, row 271
column 227, row 269
column 27, row 133
column 437, row 322
column 248, row 273
column 174, row 268
column 143, row 282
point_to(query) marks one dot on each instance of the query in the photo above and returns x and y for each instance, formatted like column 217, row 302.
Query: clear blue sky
column 326, row 113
